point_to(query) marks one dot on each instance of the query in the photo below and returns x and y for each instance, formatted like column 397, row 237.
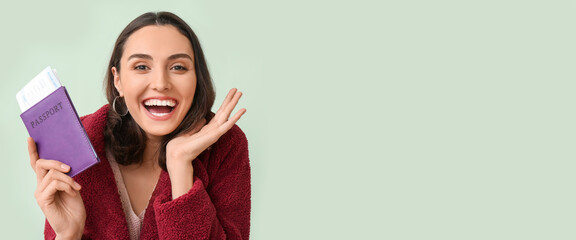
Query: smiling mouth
column 160, row 107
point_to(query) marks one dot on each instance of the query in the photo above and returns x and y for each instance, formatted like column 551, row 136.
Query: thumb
column 32, row 152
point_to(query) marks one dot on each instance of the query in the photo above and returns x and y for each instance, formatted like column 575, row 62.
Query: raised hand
column 188, row 146
column 58, row 195
column 182, row 150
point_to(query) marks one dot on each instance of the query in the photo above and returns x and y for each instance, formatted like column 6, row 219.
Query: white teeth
column 159, row 114
column 158, row 102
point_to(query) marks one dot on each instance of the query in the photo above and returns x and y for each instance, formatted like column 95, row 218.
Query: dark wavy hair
column 125, row 139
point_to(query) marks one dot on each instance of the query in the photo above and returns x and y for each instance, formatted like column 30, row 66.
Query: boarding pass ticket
column 38, row 88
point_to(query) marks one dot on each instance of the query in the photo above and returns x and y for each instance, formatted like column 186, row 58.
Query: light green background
column 366, row 119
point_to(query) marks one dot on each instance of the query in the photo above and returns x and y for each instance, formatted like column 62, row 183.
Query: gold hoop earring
column 114, row 107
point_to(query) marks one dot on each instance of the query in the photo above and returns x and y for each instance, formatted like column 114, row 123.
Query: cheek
column 188, row 88
column 131, row 89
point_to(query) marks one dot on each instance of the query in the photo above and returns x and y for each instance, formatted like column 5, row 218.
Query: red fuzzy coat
column 217, row 206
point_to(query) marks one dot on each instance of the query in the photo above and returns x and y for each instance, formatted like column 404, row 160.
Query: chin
column 156, row 133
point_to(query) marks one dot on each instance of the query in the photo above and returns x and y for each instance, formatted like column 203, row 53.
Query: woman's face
column 157, row 78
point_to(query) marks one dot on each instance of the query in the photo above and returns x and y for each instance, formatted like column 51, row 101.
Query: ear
column 117, row 82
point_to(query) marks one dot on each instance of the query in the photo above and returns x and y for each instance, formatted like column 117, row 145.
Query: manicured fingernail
column 76, row 185
column 64, row 166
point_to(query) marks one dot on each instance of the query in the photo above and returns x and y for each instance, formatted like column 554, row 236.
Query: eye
column 141, row 67
column 179, row 68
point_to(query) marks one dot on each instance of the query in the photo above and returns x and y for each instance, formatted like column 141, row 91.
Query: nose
column 160, row 81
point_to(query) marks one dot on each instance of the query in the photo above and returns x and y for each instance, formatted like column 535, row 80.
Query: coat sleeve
column 49, row 233
column 218, row 211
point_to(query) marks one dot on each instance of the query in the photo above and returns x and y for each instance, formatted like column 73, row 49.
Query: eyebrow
column 180, row 55
column 172, row 57
column 140, row 55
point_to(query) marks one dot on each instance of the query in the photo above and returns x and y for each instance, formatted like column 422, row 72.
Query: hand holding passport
column 52, row 121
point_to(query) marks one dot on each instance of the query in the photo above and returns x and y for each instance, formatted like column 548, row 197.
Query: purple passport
column 59, row 135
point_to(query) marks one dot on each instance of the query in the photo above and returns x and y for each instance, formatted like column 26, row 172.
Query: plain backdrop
column 366, row 119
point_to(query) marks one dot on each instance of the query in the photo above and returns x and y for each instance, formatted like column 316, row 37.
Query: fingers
column 32, row 152
column 234, row 119
column 232, row 104
column 228, row 105
column 53, row 183
column 229, row 97
column 230, row 123
column 43, row 166
column 56, row 176
column 203, row 136
column 46, row 195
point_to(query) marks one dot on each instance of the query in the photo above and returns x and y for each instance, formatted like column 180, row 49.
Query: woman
column 170, row 168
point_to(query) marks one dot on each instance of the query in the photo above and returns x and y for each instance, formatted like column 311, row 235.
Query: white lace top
column 134, row 221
